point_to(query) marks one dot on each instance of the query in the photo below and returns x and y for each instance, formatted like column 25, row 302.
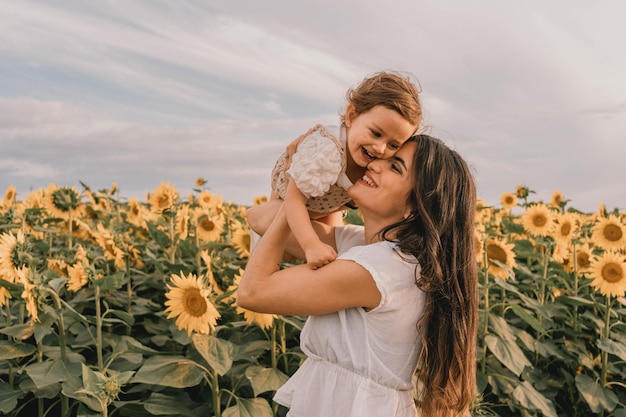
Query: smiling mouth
column 367, row 180
column 367, row 154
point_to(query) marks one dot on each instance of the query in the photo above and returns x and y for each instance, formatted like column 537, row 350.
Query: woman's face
column 386, row 185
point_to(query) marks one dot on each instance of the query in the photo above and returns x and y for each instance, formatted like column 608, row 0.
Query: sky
column 142, row 92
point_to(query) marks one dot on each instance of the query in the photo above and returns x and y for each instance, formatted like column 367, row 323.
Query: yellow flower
column 105, row 240
column 81, row 254
column 10, row 250
column 163, row 198
column 58, row 266
column 564, row 228
column 522, row 191
column 60, row 201
column 9, row 196
column 182, row 222
column 188, row 301
column 28, row 295
column 210, row 202
column 258, row 200
column 502, row 252
column 556, row 199
column 508, row 200
column 478, row 242
column 77, row 277
column 136, row 213
column 4, row 296
column 208, row 228
column 206, row 258
column 579, row 257
column 608, row 272
column 560, row 253
column 537, row 219
column 241, row 240
column 200, row 182
column 609, row 233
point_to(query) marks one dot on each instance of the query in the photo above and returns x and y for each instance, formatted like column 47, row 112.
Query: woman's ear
column 350, row 115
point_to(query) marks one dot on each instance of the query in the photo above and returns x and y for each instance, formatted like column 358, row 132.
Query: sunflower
column 579, row 257
column 9, row 196
column 182, row 222
column 29, row 295
column 608, row 272
column 5, row 295
column 211, row 202
column 105, row 240
column 241, row 240
column 78, row 277
column 163, row 198
column 136, row 213
column 12, row 250
column 522, row 191
column 508, row 200
column 58, row 266
column 263, row 320
column 557, row 199
column 200, row 182
column 208, row 228
column 609, row 233
column 188, row 301
column 561, row 253
column 502, row 252
column 208, row 263
column 60, row 201
column 478, row 243
column 537, row 219
column 564, row 228
column 81, row 254
column 258, row 200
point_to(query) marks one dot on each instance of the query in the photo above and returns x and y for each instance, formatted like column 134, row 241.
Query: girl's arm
column 317, row 252
column 300, row 290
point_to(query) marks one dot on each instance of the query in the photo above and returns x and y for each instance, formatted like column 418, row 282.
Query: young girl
column 381, row 114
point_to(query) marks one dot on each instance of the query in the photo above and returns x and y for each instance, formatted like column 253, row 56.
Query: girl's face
column 377, row 133
column 386, row 185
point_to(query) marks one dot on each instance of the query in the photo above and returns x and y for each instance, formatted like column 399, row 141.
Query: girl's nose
column 379, row 148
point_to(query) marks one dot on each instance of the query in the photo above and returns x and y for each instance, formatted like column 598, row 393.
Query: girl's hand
column 320, row 254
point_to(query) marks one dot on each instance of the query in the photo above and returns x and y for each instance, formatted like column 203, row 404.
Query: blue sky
column 143, row 92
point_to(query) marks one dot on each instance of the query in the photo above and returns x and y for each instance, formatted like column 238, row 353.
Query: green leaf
column 255, row 407
column 508, row 353
column 111, row 282
column 611, row 346
column 529, row 319
column 528, row 397
column 15, row 350
column 501, row 327
column 217, row 352
column 19, row 331
column 8, row 397
column 128, row 319
column 597, row 397
column 92, row 380
column 169, row 371
column 50, row 372
column 84, row 411
column 265, row 379
column 161, row 404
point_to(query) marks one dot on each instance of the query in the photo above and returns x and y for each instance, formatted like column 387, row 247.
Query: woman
column 403, row 291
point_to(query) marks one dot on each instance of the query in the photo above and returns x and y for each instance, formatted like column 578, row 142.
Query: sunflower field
column 111, row 307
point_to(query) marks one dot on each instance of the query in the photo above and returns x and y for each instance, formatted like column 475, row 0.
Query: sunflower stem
column 283, row 345
column 69, row 227
column 129, row 291
column 99, row 330
column 483, row 365
column 216, row 394
column 605, row 334
column 575, row 287
column 273, row 339
column 172, row 240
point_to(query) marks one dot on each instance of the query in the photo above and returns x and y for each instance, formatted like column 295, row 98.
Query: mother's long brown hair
column 439, row 232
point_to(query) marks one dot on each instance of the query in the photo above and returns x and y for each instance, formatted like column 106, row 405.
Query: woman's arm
column 300, row 290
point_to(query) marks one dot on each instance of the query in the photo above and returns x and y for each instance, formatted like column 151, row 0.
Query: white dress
column 318, row 169
column 360, row 363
